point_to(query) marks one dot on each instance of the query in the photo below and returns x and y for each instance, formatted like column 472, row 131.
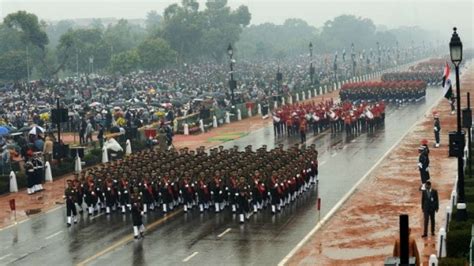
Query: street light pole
column 311, row 68
column 77, row 62
column 232, row 83
column 353, row 60
column 455, row 49
column 27, row 64
column 378, row 52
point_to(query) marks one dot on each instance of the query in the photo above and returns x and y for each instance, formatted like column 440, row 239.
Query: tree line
column 184, row 33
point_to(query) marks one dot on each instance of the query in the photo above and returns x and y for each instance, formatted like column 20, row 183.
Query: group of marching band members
column 151, row 180
column 352, row 118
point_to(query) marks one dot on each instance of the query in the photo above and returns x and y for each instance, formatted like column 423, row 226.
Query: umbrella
column 94, row 104
column 167, row 105
column 36, row 130
column 4, row 131
column 112, row 144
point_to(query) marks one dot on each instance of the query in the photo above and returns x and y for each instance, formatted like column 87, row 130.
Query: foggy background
column 436, row 16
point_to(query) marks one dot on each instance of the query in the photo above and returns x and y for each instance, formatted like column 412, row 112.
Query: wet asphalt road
column 212, row 239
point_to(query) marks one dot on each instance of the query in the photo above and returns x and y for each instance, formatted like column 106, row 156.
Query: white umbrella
column 105, row 156
column 94, row 104
column 36, row 130
column 112, row 144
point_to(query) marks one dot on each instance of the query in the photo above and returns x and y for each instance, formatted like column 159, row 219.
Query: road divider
column 190, row 256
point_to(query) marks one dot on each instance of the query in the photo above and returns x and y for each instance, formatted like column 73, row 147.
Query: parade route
column 199, row 239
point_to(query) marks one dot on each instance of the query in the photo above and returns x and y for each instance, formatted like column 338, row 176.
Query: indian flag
column 446, row 74
column 448, row 89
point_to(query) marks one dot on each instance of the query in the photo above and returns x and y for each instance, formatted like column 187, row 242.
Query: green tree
column 123, row 36
column 13, row 65
column 33, row 33
column 152, row 22
column 125, row 62
column 155, row 53
column 194, row 34
column 86, row 43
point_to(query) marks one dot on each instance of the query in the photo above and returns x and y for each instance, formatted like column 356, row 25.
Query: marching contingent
column 245, row 181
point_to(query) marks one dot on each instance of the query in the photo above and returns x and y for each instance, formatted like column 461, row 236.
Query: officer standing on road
column 437, row 129
column 423, row 166
column 429, row 205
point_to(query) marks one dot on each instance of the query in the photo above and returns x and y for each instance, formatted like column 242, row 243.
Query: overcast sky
column 434, row 15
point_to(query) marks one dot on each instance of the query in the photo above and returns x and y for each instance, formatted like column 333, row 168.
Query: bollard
column 433, row 260
column 309, row 94
column 186, row 129
column 297, row 97
column 454, row 197
column 128, row 147
column 335, row 86
column 13, row 183
column 290, row 100
column 259, row 109
column 283, row 100
column 48, row 176
column 303, row 96
column 77, row 164
column 239, row 115
column 315, row 92
column 201, row 125
column 214, row 121
column 275, row 105
column 105, row 155
column 325, row 89
column 227, row 117
column 448, row 217
column 249, row 111
column 441, row 245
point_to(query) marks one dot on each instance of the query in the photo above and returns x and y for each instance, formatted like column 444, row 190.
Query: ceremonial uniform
column 137, row 213
column 70, row 194
column 423, row 166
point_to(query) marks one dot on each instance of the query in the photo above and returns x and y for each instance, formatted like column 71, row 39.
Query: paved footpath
column 363, row 230
column 52, row 197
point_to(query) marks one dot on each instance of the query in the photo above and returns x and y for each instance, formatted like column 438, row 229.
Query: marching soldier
column 70, row 195
column 79, row 188
column 137, row 213
column 243, row 199
column 110, row 196
column 124, row 195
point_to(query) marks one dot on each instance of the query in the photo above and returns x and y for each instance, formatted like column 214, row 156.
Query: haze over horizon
column 432, row 15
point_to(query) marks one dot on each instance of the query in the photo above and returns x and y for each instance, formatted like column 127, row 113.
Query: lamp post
column 353, row 60
column 455, row 51
column 232, row 82
column 311, row 68
column 378, row 52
